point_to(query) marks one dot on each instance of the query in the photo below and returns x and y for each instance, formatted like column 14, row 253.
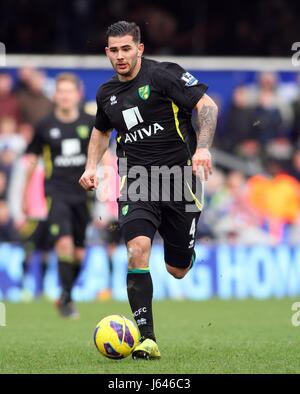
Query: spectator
column 33, row 102
column 36, row 202
column 9, row 107
column 12, row 145
column 205, row 226
column 266, row 119
column 25, row 74
column 7, row 229
column 26, row 132
column 238, row 125
column 294, row 232
column 269, row 93
column 232, row 218
column 3, row 185
column 296, row 115
column 294, row 170
column 276, row 199
column 9, row 138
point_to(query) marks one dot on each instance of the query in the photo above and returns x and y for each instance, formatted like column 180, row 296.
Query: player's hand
column 89, row 180
column 20, row 223
column 202, row 159
column 24, row 205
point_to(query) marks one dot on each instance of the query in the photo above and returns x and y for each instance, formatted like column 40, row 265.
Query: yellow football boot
column 146, row 350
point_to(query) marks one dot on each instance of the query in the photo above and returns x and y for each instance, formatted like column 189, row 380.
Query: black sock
column 110, row 267
column 68, row 273
column 77, row 269
column 25, row 266
column 140, row 293
column 44, row 266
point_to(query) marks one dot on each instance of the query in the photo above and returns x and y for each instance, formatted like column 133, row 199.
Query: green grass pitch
column 194, row 337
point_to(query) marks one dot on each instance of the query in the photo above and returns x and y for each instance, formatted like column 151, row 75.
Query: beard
column 129, row 72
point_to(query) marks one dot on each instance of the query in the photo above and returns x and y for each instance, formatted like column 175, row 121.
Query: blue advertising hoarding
column 220, row 271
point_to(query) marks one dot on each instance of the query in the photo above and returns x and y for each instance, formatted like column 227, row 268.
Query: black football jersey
column 64, row 150
column 152, row 114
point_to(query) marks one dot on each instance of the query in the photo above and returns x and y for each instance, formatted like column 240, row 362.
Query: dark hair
column 124, row 28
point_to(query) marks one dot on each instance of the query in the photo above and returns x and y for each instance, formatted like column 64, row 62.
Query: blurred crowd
column 258, row 201
column 258, row 28
column 23, row 103
column 252, row 197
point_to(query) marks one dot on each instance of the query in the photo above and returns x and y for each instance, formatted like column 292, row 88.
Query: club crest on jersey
column 144, row 92
column 125, row 210
column 189, row 79
column 113, row 100
column 55, row 133
column 83, row 131
column 54, row 229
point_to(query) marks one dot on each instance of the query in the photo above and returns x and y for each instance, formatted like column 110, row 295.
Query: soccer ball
column 116, row 336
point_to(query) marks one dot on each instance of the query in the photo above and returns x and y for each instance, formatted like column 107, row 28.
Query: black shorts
column 68, row 216
column 111, row 234
column 176, row 222
column 35, row 235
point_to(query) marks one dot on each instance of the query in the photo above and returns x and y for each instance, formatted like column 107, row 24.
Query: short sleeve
column 178, row 84
column 36, row 145
column 102, row 122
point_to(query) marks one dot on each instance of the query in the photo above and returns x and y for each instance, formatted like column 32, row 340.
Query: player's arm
column 187, row 92
column 97, row 147
column 32, row 162
column 207, row 114
column 33, row 152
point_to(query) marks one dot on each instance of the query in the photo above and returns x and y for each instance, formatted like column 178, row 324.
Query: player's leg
column 79, row 256
column 178, row 227
column 71, row 252
column 180, row 272
column 138, row 235
column 64, row 248
column 35, row 239
column 111, row 237
column 178, row 230
column 45, row 245
column 27, row 235
column 60, row 228
column 80, row 220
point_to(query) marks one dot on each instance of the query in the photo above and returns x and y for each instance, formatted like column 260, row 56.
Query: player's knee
column 177, row 273
column 64, row 246
column 138, row 253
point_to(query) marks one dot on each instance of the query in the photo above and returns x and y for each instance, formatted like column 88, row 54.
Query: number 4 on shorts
column 193, row 228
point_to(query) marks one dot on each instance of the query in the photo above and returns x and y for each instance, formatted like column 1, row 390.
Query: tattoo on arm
column 206, row 125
